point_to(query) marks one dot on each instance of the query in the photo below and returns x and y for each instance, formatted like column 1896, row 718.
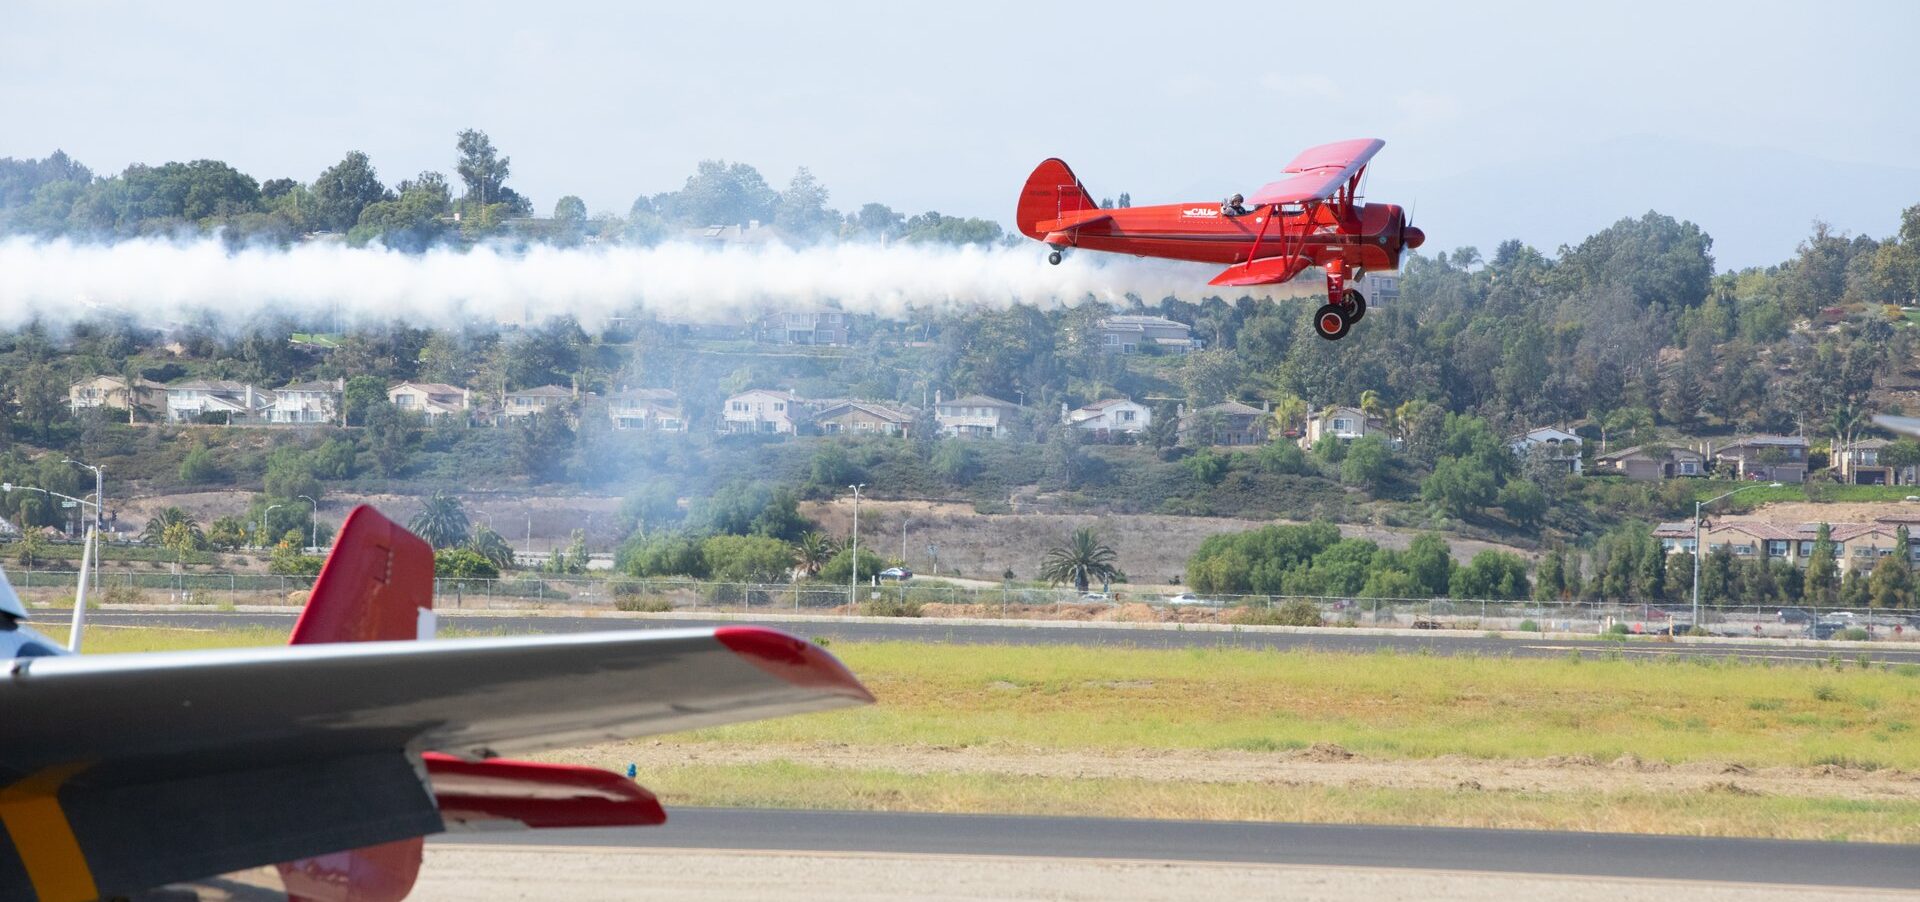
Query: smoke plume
column 158, row 281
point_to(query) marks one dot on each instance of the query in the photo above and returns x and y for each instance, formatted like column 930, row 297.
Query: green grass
column 1379, row 705
column 1718, row 810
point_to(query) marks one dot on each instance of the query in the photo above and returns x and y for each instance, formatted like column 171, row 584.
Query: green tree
column 1367, row 464
column 344, row 190
column 570, row 210
column 484, row 172
column 1891, row 585
column 463, row 563
column 199, row 467
column 662, row 553
column 1079, row 560
column 956, row 461
column 747, row 559
column 155, row 532
column 801, row 210
column 227, row 533
column 833, row 468
column 1523, row 503
column 812, row 551
column 719, row 193
column 1207, row 466
column 1821, row 580
column 492, row 546
column 441, row 522
column 1492, row 574
column 290, row 475
column 1458, row 486
column 361, row 395
column 841, row 568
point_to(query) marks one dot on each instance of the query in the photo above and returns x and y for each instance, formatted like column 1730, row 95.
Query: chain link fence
column 932, row 599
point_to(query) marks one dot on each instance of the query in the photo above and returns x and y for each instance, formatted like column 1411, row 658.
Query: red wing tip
column 795, row 660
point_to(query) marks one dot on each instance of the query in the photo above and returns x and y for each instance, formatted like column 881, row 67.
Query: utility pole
column 853, row 578
column 263, row 524
column 93, row 543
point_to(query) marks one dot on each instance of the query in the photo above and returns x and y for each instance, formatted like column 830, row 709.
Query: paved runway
column 913, row 630
column 1433, row 848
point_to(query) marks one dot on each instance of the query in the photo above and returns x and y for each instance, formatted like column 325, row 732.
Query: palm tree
column 442, row 522
column 813, row 551
column 156, row 531
column 492, row 546
column 1080, row 560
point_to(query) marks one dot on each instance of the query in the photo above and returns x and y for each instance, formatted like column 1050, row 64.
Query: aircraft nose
column 1412, row 237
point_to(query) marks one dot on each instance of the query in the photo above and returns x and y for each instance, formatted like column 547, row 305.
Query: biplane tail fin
column 374, row 586
column 1052, row 193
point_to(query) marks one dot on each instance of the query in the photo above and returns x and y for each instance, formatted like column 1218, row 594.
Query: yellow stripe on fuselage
column 30, row 810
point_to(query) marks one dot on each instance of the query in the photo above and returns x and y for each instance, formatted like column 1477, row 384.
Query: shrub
column 1299, row 612
column 1528, row 626
column 1855, row 634
column 890, row 606
column 1618, row 629
column 651, row 604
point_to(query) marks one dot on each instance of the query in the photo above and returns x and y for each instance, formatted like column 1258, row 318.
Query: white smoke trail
column 158, row 280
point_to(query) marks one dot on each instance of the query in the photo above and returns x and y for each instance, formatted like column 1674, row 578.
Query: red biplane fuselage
column 1313, row 219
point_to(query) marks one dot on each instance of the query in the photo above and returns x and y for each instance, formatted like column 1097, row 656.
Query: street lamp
column 88, row 557
column 313, row 521
column 263, row 523
column 853, row 579
column 1698, row 506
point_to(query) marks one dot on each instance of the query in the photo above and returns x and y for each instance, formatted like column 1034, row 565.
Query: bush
column 1528, row 626
column 890, row 606
column 1618, row 629
column 463, row 563
column 650, row 604
column 1296, row 612
column 1855, row 634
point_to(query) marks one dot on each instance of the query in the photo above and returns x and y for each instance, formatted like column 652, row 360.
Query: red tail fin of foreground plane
column 1052, row 192
column 376, row 582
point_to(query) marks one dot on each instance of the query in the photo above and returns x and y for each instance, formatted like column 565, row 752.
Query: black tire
column 1054, row 258
column 1355, row 304
column 1331, row 323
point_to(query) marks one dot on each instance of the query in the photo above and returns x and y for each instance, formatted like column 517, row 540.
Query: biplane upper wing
column 1318, row 172
column 124, row 772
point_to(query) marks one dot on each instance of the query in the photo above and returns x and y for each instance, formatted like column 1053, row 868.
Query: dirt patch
column 1323, row 764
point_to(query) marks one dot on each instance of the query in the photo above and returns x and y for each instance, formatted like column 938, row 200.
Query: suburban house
column 545, row 399
column 1226, row 423
column 306, row 403
column 827, row 328
column 1650, row 462
column 111, row 391
column 862, row 418
column 765, row 410
column 974, row 416
column 753, row 234
column 1777, row 458
column 1856, row 546
column 1557, row 445
column 1343, row 423
column 1859, row 464
column 434, row 400
column 647, row 410
column 1113, row 416
column 1130, row 333
column 1674, row 536
column 216, row 400
column 1379, row 287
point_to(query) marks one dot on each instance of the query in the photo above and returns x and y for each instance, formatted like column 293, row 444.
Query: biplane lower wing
column 1264, row 271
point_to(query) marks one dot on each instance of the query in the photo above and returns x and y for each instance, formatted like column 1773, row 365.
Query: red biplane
column 1313, row 217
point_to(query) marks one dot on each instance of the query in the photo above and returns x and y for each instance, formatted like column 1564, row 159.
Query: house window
column 1743, row 550
column 1111, row 340
column 779, row 405
column 1688, row 468
column 1806, row 548
column 1341, row 425
column 1776, row 548
column 1126, row 416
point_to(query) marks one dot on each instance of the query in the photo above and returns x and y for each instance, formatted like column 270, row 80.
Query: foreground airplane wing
column 123, row 772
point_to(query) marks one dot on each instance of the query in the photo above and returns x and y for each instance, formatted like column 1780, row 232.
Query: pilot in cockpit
column 1233, row 206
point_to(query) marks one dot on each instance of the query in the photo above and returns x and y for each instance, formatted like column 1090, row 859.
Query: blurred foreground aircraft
column 119, row 773
column 1313, row 217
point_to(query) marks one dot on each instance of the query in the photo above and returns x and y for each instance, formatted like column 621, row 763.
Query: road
column 1040, row 633
column 1434, row 848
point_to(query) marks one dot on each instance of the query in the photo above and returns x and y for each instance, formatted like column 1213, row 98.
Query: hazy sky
column 949, row 107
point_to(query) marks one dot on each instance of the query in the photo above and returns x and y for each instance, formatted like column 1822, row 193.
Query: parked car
column 899, row 573
column 1186, row 598
column 1796, row 615
column 1096, row 596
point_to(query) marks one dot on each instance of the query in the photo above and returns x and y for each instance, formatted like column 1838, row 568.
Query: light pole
column 88, row 558
column 263, row 523
column 313, row 521
column 1699, row 506
column 853, row 578
column 903, row 541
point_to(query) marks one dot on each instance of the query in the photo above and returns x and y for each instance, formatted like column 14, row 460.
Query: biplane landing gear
column 1054, row 258
column 1332, row 322
column 1355, row 304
